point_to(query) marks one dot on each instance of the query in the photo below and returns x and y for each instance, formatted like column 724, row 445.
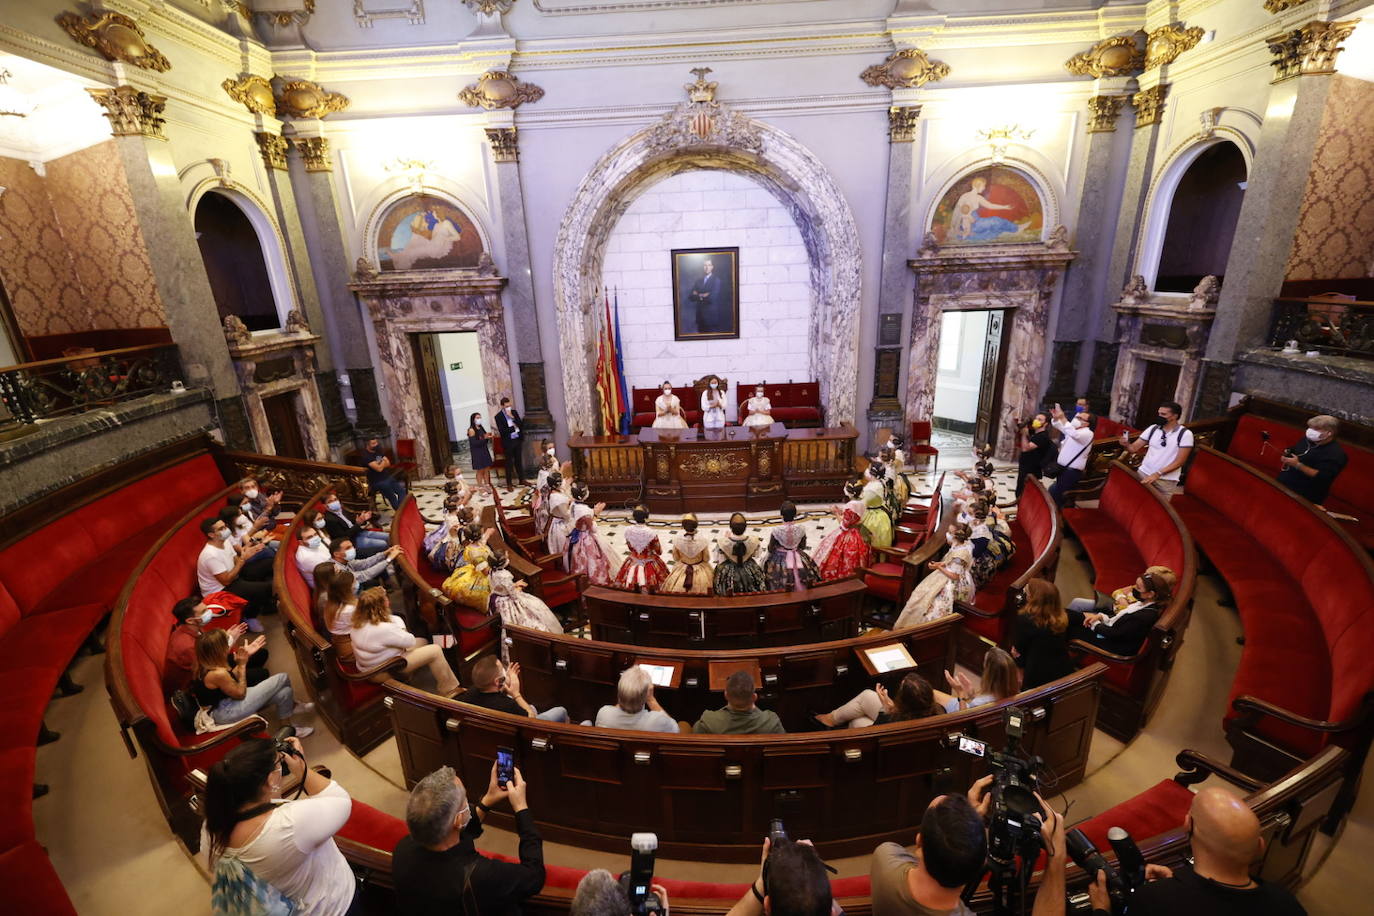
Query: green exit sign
column 455, row 367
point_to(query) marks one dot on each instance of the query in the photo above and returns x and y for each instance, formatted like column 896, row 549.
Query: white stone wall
column 711, row 209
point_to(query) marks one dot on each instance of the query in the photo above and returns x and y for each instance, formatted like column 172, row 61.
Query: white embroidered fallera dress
column 668, row 412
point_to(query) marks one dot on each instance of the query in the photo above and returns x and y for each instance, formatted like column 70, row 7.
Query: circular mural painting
column 991, row 205
column 425, row 233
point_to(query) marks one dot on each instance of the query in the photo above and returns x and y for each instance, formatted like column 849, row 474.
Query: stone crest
column 132, row 112
column 1120, row 55
column 499, row 89
column 306, row 99
column 1058, row 239
column 364, row 271
column 1167, row 42
column 116, row 37
column 905, row 69
column 296, row 323
column 253, row 93
column 486, row 267
column 702, row 121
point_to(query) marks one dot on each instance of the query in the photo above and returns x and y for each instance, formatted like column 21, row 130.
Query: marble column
column 169, row 233
column 311, row 172
column 895, row 292
column 1304, row 59
column 1148, row 105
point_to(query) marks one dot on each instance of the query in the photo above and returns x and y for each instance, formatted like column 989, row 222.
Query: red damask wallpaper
column 71, row 253
column 1336, row 221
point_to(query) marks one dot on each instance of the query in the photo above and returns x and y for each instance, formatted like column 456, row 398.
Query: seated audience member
column 635, row 709
column 261, row 505
column 192, row 615
column 378, row 637
column 513, row 604
column 443, row 547
column 739, row 716
column 600, row 893
column 992, row 542
column 1168, row 444
column 737, row 572
column 380, row 478
column 789, row 567
column 1035, row 448
column 339, row 524
column 1121, row 628
column 323, row 575
column 915, row 700
column 1000, row 680
column 1040, row 641
column 221, row 684
column 437, row 869
column 255, row 836
column 259, row 568
column 495, row 686
column 792, row 881
column 1224, row 834
column 220, row 568
column 1074, row 447
column 243, row 526
column 313, row 548
column 1312, row 464
column 345, row 556
column 950, row 580
column 470, row 584
column 340, row 600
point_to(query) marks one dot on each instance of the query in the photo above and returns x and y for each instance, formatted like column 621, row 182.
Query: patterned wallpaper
column 71, row 252
column 1336, row 220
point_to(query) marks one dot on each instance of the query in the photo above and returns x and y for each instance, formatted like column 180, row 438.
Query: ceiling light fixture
column 12, row 101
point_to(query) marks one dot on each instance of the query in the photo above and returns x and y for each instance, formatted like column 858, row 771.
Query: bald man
column 1225, row 836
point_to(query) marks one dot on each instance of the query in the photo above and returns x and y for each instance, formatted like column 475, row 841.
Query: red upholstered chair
column 405, row 458
column 919, row 445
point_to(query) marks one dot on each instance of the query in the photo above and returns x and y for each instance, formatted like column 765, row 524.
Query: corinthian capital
column 132, row 112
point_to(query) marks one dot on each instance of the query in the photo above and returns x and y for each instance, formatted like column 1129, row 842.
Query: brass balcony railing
column 1341, row 327
column 50, row 388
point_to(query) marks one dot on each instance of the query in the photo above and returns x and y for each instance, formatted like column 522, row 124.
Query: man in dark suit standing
column 512, row 431
column 705, row 295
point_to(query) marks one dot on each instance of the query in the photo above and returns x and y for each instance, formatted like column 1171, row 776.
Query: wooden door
column 995, row 348
column 431, row 383
column 1159, row 385
column 285, row 425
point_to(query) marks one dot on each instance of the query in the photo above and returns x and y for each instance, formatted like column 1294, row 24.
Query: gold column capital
column 273, row 149
column 1103, row 110
column 132, row 112
column 1149, row 105
column 314, row 153
column 1308, row 50
column 505, row 146
column 901, row 123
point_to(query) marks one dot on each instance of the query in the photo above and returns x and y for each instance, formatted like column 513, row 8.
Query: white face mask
column 311, row 543
column 713, row 385
column 319, row 523
column 251, row 492
column 758, row 393
column 667, row 391
column 221, row 534
column 1078, row 424
column 550, row 450
column 1314, row 435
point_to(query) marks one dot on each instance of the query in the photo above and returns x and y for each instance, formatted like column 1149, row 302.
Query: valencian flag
column 619, row 361
column 606, row 386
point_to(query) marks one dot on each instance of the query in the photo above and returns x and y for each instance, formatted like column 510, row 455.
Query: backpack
column 185, row 705
column 236, row 891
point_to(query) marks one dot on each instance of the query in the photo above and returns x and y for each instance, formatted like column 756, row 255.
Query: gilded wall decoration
column 1282, row 6
column 1120, row 55
column 1149, row 105
column 908, row 68
column 314, row 153
column 991, row 205
column 499, row 89
column 253, row 93
column 132, row 112
column 306, row 99
column 1167, row 42
column 715, row 464
column 426, row 233
column 1308, row 50
column 1103, row 111
column 116, row 37
column 901, row 123
column 283, row 18
column 505, row 144
column 273, row 149
column 1335, row 235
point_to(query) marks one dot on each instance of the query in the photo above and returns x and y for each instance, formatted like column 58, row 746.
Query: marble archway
column 704, row 133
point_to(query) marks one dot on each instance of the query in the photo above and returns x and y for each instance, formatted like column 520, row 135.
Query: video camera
column 638, row 881
column 1122, row 879
column 284, row 747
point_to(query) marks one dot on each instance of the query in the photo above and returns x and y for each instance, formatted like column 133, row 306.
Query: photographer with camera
column 1035, row 448
column 601, row 893
column 792, row 881
column 270, row 851
column 437, row 868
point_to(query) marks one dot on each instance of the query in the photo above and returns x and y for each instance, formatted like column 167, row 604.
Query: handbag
column 184, row 704
column 1053, row 468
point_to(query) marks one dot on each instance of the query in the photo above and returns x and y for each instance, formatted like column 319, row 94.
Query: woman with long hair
column 844, row 550
column 950, row 579
column 340, row 601
column 692, row 572
column 644, row 569
column 257, row 838
column 479, row 449
column 589, row 553
column 324, row 574
column 914, row 699
column 379, row 637
column 737, row 572
column 221, row 684
column 560, row 516
column 443, row 546
column 539, row 499
column 1001, row 679
column 470, row 584
column 1040, row 642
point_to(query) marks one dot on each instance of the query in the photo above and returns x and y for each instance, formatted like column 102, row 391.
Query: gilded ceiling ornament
column 702, row 121
column 489, row 7
column 901, row 123
column 413, row 13
column 1308, row 50
column 1103, row 110
column 253, row 93
column 1282, row 6
column 238, row 6
column 132, row 112
column 1120, row 55
column 905, row 69
column 505, row 144
column 1149, row 105
column 314, row 153
column 273, row 149
column 499, row 89
column 304, row 99
column 116, row 37
column 284, row 18
column 1167, row 42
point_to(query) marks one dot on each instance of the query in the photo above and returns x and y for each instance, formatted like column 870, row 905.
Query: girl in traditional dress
column 445, row 552
column 949, row 580
column 516, row 606
column 470, row 584
column 896, row 473
column 759, row 408
column 691, row 573
column 844, row 550
column 668, row 410
column 560, row 516
column 993, row 546
column 589, row 553
column 788, row 567
column 455, row 484
column 876, row 521
column 737, row 572
column 644, row 569
column 893, row 498
column 713, row 406
column 539, row 501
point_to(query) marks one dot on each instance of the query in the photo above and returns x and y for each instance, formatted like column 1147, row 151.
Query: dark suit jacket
column 706, row 291
column 1126, row 635
column 504, row 426
column 340, row 524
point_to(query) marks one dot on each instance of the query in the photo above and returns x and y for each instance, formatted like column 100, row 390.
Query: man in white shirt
column 1168, row 444
column 311, row 552
column 636, row 709
column 219, row 569
column 1073, row 450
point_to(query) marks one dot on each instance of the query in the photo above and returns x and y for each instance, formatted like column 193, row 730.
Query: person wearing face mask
column 244, row 525
column 1036, row 447
column 1073, row 450
column 314, row 546
column 668, row 409
column 260, row 504
column 511, row 428
column 345, row 556
column 713, row 406
column 758, row 410
column 1121, row 624
column 339, row 524
column 1168, row 445
column 950, row 580
column 192, row 616
column 220, row 566
column 1311, row 465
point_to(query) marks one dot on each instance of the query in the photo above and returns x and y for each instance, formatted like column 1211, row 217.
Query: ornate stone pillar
column 885, row 408
column 136, row 121
column 1304, row 59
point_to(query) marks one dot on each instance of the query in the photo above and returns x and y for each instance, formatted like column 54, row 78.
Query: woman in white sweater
column 379, row 637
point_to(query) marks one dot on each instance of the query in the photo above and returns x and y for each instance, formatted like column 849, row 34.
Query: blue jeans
column 392, row 490
column 274, row 690
column 557, row 714
column 373, row 542
column 1066, row 481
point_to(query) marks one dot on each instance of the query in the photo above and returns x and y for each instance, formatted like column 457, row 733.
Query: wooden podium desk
column 738, row 467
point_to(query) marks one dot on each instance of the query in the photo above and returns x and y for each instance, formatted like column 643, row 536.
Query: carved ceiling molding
column 253, row 93
column 901, row 123
column 499, row 89
column 273, row 149
column 1120, row 55
column 1167, row 42
column 1308, row 50
column 116, row 37
column 413, row 13
column 1282, row 6
column 314, row 153
column 306, row 99
column 1103, row 111
column 489, row 7
column 132, row 112
column 285, row 18
column 1149, row 105
column 505, row 144
column 908, row 68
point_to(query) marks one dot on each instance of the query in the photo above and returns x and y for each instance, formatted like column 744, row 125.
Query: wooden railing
column 49, row 388
column 1338, row 327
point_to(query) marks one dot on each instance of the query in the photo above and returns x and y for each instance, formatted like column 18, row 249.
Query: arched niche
column 397, row 196
column 711, row 135
column 243, row 258
column 1016, row 184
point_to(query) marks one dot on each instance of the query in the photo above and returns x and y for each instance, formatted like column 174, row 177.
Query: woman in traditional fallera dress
column 589, row 553
column 876, row 521
column 644, row 569
column 993, row 545
column 539, row 500
column 691, row 574
column 516, row 606
column 713, row 406
column 788, row 567
column 844, row 550
column 560, row 516
column 668, row 410
column 470, row 584
column 737, row 571
column 949, row 580
column 896, row 473
column 445, row 552
column 759, row 409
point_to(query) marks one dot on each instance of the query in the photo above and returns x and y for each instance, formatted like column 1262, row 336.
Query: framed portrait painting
column 705, row 293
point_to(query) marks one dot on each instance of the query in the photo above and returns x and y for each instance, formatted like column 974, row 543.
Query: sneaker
column 254, row 626
column 304, row 731
column 300, row 708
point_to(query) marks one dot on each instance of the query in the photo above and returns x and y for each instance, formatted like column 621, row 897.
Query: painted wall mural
column 991, row 205
column 426, row 233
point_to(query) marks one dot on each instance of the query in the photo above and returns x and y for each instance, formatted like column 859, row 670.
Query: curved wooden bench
column 1134, row 527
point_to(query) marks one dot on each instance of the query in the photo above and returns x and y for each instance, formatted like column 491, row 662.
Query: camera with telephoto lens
column 777, row 833
column 1123, row 878
column 638, row 881
column 284, row 747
